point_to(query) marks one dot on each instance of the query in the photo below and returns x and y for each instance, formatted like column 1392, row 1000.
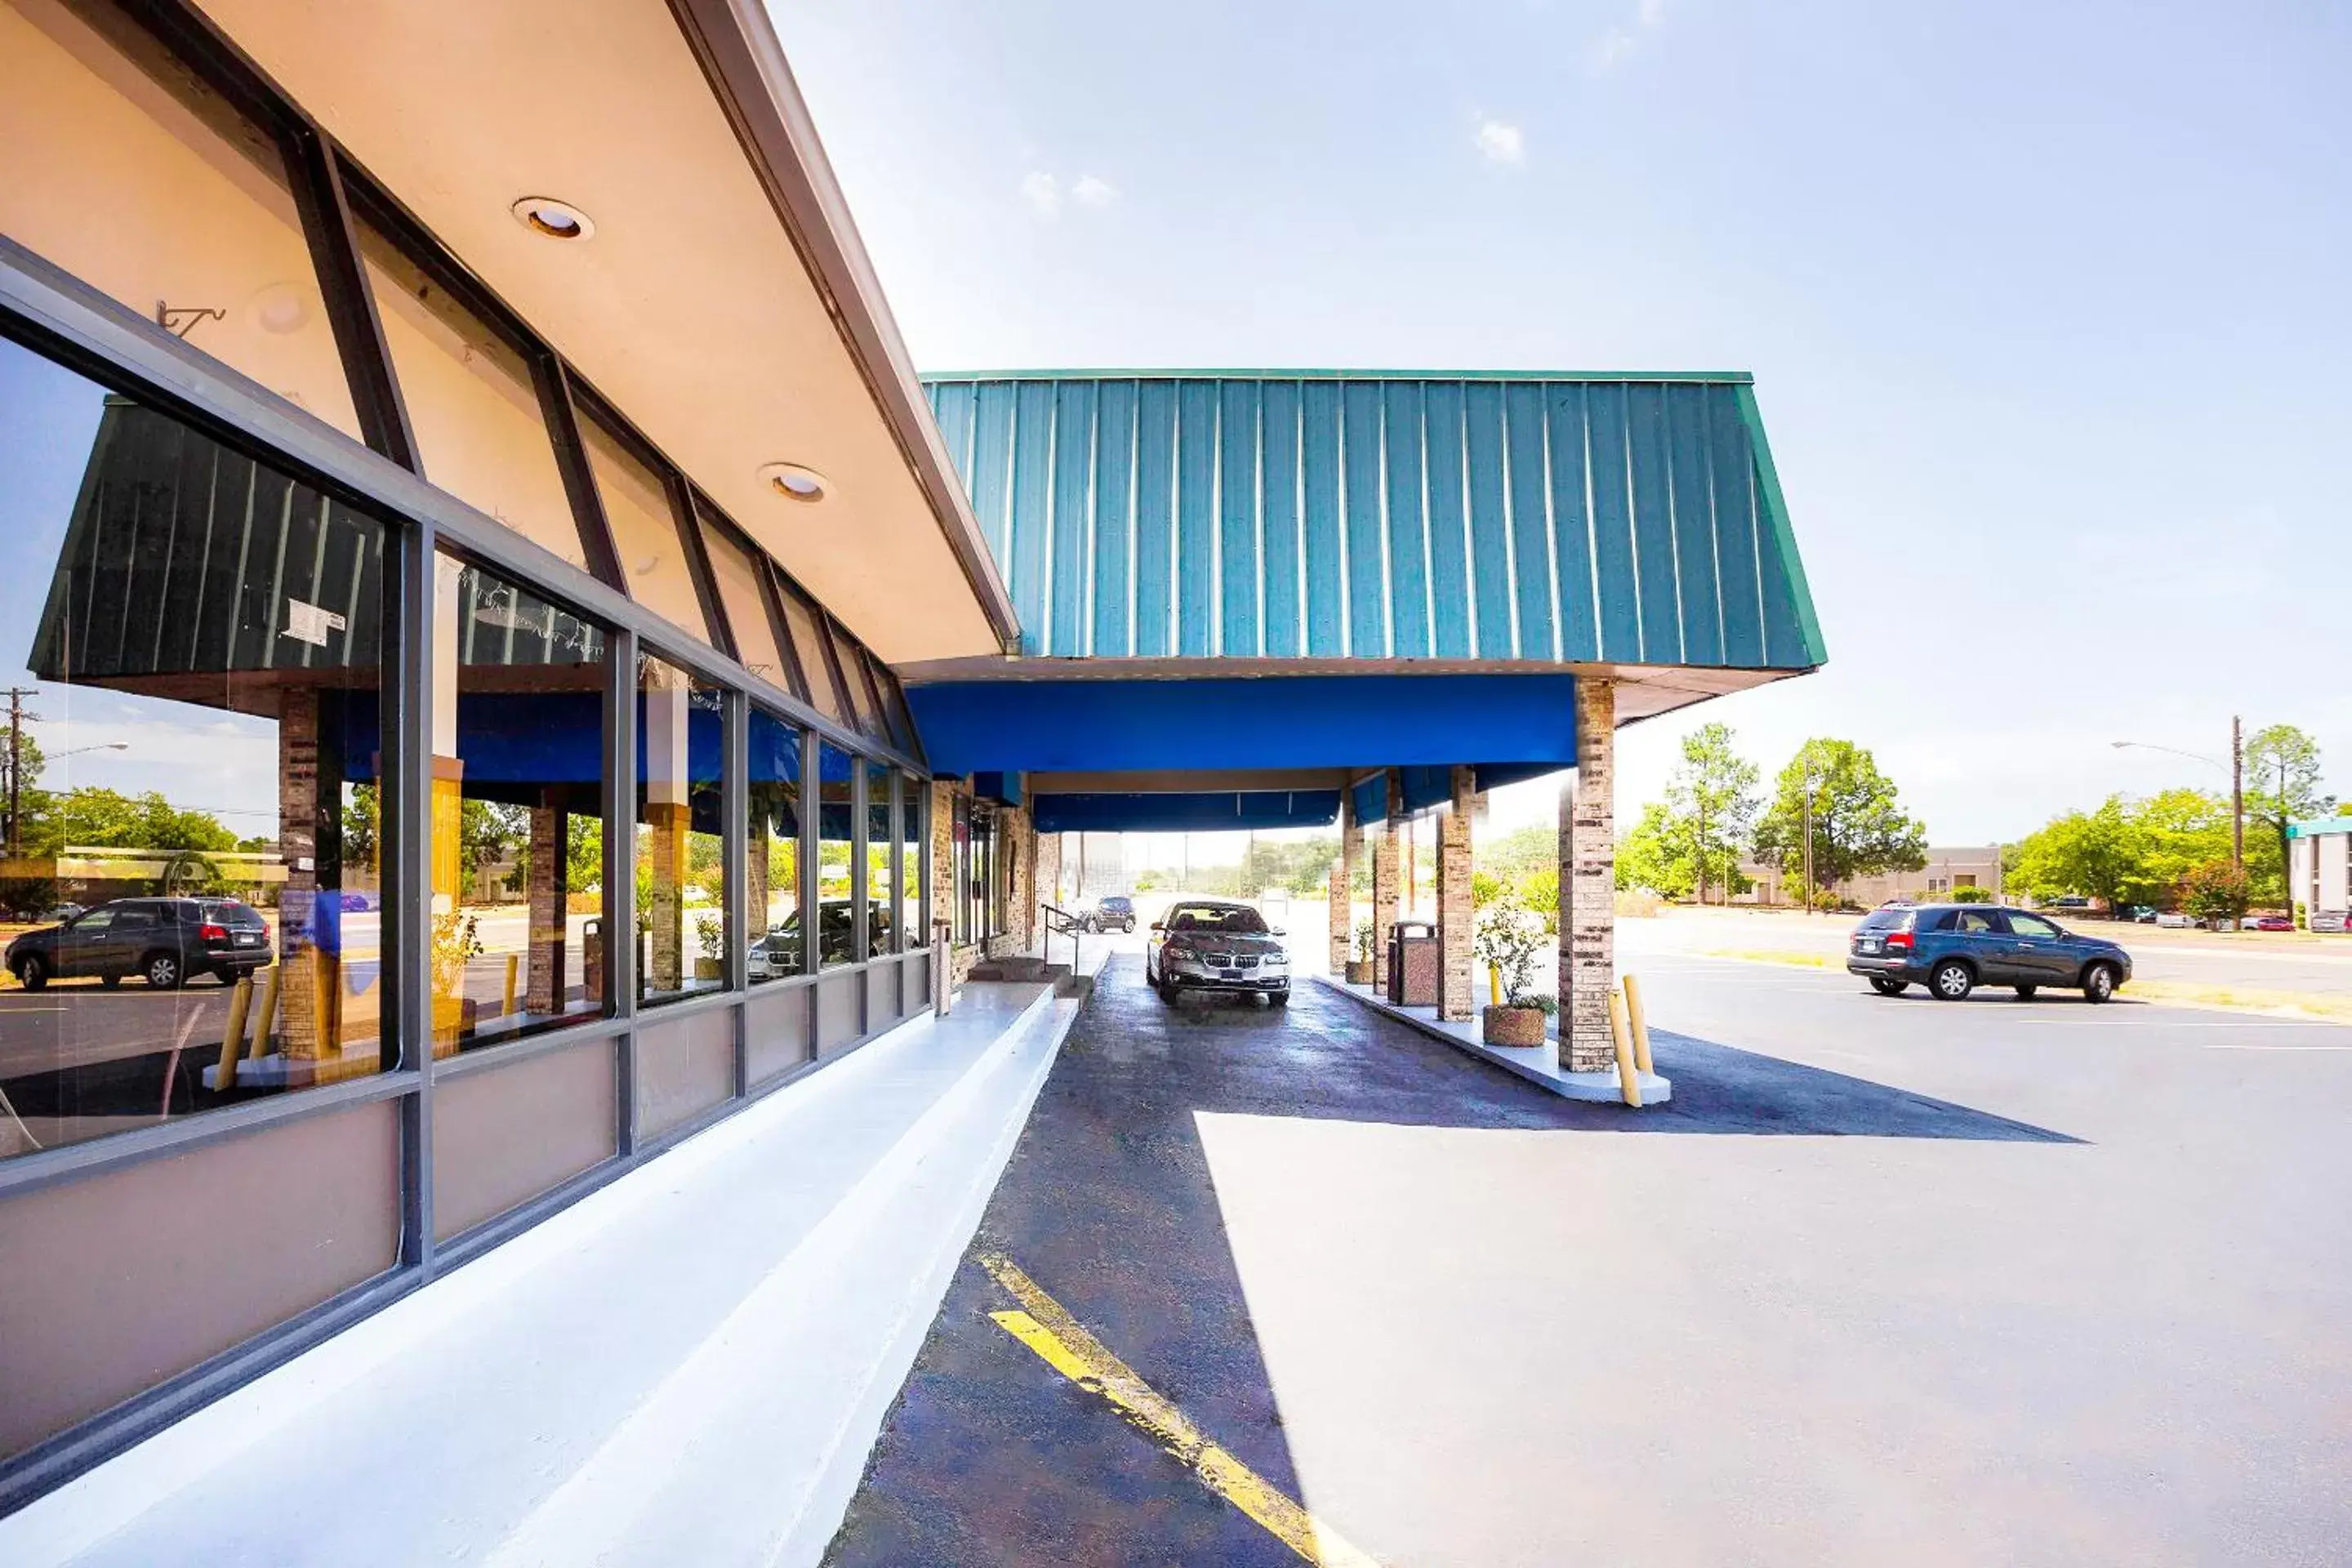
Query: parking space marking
column 1062, row 1342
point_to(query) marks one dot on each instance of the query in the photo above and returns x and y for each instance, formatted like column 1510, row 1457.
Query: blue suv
column 1952, row 948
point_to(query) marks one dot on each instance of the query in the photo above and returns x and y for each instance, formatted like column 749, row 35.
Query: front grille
column 1222, row 959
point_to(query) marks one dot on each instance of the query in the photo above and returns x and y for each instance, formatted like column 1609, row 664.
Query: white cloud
column 1502, row 143
column 1621, row 43
column 1090, row 191
column 1043, row 192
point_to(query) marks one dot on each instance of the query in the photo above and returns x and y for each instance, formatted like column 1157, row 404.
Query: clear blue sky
column 2049, row 307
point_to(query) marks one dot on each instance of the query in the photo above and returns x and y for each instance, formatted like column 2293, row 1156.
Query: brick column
column 307, row 997
column 1587, row 882
column 1454, row 914
column 1049, row 869
column 1343, row 868
column 1384, row 884
column 550, row 905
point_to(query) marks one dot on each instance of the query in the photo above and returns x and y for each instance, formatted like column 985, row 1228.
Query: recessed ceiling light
column 795, row 482
column 557, row 220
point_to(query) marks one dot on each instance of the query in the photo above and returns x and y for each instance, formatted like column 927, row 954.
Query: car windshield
column 231, row 912
column 1224, row 919
column 1885, row 920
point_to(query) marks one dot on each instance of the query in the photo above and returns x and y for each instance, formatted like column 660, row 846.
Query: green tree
column 1860, row 828
column 487, row 832
column 114, row 820
column 2281, row 788
column 1711, row 805
column 2216, row 891
column 1654, row 856
column 2102, row 853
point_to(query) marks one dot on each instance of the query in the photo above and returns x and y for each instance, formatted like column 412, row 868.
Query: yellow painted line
column 1062, row 1342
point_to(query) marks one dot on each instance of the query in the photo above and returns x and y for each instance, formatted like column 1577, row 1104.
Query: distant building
column 1974, row 865
column 2319, row 866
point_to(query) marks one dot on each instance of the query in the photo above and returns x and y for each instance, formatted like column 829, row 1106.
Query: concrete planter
column 1513, row 1026
column 710, row 969
column 1360, row 973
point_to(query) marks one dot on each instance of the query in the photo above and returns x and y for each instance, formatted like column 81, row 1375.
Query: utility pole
column 2237, row 793
column 1809, row 833
column 17, row 717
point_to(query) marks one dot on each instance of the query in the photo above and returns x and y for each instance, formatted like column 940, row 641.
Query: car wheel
column 1950, row 981
column 2025, row 992
column 162, row 970
column 111, row 979
column 2099, row 983
column 1886, row 987
column 1277, row 998
column 32, row 974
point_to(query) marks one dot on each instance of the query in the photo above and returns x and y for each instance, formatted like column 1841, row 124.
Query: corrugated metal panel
column 1566, row 518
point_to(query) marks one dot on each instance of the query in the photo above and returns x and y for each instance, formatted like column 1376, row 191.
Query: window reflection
column 881, row 862
column 190, row 882
column 738, row 576
column 196, row 220
column 681, row 896
column 914, row 928
column 471, row 403
column 838, row 921
column 771, row 903
column 645, row 531
column 808, row 633
column 518, row 812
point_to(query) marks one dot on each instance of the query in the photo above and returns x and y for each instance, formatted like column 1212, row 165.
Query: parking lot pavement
column 1994, row 1282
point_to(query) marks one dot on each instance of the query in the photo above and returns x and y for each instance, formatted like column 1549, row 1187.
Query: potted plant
column 709, row 931
column 1508, row 937
column 1360, row 953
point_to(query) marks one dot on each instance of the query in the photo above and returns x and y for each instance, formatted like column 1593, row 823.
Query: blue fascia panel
column 1201, row 813
column 1231, row 723
column 1004, row 787
column 1370, row 798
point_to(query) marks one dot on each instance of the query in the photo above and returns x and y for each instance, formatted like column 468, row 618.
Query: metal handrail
column 1058, row 919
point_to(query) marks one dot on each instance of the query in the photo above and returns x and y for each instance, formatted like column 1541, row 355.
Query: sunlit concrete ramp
column 687, row 1367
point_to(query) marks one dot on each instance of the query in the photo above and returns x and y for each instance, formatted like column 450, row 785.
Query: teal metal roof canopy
column 1548, row 517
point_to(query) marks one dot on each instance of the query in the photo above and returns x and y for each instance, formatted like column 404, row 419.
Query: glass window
column 894, row 701
column 190, row 872
column 132, row 177
column 2022, row 924
column 837, row 919
column 959, row 872
column 519, row 792
column 881, row 862
column 861, row 692
column 976, row 848
column 645, row 531
column 816, row 663
column 680, row 860
column 471, row 403
column 746, row 603
column 914, row 928
column 772, row 885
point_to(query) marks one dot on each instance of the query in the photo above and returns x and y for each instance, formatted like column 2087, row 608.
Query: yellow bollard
column 1640, row 1024
column 232, row 1038
column 1495, row 985
column 261, row 1022
column 1629, row 1082
column 506, row 1008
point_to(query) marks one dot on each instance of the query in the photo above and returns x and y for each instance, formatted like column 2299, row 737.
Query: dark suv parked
column 163, row 940
column 1952, row 948
column 1116, row 911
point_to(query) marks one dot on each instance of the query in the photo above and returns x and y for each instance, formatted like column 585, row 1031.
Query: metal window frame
column 55, row 315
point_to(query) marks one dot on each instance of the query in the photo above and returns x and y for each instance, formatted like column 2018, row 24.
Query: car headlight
column 1276, row 956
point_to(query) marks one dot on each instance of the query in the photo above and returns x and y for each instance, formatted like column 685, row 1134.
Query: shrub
column 1509, row 938
column 1970, row 895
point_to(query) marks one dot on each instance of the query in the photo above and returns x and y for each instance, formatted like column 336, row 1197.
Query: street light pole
column 1809, row 833
column 2235, row 767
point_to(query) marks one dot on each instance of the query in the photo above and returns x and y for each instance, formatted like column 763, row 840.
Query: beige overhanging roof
column 725, row 302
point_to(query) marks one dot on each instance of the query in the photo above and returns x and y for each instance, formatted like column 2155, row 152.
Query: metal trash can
column 1414, row 963
column 591, row 958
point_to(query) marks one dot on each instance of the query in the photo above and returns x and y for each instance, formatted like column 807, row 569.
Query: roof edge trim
column 736, row 45
column 1808, row 624
column 1712, row 377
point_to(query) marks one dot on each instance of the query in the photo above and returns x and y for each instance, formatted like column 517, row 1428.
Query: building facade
column 2319, row 869
column 1948, row 869
column 486, row 560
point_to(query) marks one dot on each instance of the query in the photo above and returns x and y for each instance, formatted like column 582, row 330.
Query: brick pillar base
column 545, row 991
column 667, row 824
column 1587, row 882
column 1454, row 911
column 1384, row 884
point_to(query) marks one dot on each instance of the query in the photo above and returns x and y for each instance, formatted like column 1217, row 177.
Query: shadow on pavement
column 990, row 1457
